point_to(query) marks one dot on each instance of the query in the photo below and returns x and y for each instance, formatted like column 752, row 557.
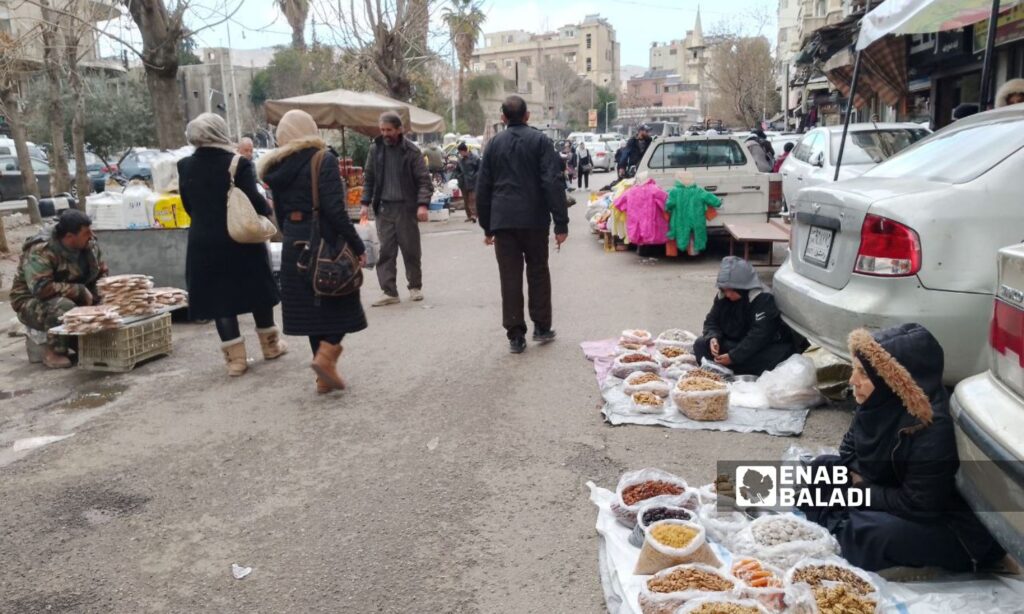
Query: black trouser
column 227, row 328
column 314, row 340
column 512, row 248
column 766, row 359
column 583, row 179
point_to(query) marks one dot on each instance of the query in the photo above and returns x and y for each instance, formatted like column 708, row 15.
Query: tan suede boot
column 321, row 387
column 54, row 360
column 271, row 343
column 234, row 355
column 325, row 364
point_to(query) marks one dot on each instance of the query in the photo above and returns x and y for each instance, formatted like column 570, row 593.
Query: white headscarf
column 581, row 150
column 209, row 130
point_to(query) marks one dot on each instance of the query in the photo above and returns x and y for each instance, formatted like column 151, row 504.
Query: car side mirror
column 819, row 159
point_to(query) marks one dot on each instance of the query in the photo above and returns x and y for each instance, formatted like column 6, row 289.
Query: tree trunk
column 20, row 135
column 170, row 121
column 299, row 37
column 162, row 32
column 59, row 181
column 82, row 183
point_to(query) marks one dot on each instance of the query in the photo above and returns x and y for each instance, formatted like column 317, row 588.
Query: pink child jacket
column 644, row 205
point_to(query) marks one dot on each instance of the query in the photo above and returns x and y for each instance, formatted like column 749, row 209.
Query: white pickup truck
column 721, row 165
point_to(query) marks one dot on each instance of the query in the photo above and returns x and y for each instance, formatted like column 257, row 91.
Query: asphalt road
column 449, row 478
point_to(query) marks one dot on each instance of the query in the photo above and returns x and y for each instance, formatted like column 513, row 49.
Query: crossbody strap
column 233, row 169
column 314, row 169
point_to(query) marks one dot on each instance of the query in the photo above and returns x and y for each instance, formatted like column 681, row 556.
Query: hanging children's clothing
column 687, row 206
column 644, row 206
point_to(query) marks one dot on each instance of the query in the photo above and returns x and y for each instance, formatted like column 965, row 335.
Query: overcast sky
column 637, row 22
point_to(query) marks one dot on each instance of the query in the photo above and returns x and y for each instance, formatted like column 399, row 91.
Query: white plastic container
column 137, row 214
column 106, row 211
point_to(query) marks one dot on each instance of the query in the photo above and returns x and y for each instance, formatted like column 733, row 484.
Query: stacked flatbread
column 170, row 297
column 131, row 295
column 85, row 320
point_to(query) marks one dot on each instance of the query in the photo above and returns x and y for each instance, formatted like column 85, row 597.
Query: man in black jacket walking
column 519, row 193
column 397, row 186
column 636, row 147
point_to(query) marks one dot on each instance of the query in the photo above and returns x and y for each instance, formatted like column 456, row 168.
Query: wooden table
column 756, row 233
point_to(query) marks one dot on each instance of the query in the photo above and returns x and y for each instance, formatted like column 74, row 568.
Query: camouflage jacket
column 48, row 269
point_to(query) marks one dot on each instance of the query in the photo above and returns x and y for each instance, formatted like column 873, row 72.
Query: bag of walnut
column 667, row 590
column 673, row 542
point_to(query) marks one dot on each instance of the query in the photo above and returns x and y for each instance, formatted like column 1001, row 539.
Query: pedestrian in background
column 466, row 172
column 325, row 320
column 397, row 186
column 225, row 279
column 519, row 194
column 245, row 148
column 786, row 149
column 584, row 165
column 636, row 147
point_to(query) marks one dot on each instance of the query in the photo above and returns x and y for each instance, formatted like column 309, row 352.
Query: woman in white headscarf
column 225, row 278
column 584, row 164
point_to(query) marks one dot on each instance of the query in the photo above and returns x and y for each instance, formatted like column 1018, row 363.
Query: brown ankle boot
column 325, row 364
column 234, row 355
column 271, row 343
column 321, row 387
column 53, row 360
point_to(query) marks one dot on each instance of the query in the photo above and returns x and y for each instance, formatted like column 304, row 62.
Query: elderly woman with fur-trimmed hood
column 289, row 173
column 1012, row 92
column 901, row 449
column 744, row 330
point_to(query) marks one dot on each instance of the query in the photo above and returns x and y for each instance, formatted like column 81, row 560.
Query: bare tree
column 50, row 27
column 743, row 75
column 11, row 73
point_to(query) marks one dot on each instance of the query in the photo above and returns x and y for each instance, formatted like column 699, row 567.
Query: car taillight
column 774, row 196
column 887, row 249
column 1007, row 330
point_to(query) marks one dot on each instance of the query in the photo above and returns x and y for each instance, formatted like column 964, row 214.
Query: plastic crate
column 120, row 350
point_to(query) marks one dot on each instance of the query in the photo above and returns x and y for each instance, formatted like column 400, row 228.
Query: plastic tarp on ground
column 618, row 407
column 617, row 558
column 359, row 111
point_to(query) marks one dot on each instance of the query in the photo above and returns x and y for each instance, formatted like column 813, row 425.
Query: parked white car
column 813, row 160
column 912, row 240
column 720, row 164
column 602, row 157
column 988, row 409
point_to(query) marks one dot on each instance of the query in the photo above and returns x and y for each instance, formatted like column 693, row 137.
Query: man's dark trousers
column 397, row 227
column 513, row 247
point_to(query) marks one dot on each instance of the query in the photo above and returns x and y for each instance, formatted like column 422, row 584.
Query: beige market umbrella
column 357, row 111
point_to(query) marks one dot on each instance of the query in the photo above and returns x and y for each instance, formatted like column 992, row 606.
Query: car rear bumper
column 826, row 315
column 991, row 475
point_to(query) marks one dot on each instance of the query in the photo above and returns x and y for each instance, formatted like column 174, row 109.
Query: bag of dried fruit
column 645, row 381
column 722, row 605
column 626, row 364
column 673, row 542
column 761, row 582
column 651, row 513
column 669, row 589
column 784, row 540
column 646, row 486
column 721, row 526
column 833, row 587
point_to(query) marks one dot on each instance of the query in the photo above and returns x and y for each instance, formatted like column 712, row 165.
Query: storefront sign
column 1009, row 28
column 592, row 118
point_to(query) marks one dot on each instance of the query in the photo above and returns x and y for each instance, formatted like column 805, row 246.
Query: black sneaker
column 544, row 336
column 517, row 345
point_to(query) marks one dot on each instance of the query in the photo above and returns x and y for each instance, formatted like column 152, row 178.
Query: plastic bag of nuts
column 647, row 403
column 701, row 399
column 645, row 381
column 676, row 337
column 669, row 589
column 673, row 356
column 646, row 487
column 673, row 542
column 635, row 335
column 632, row 362
column 722, row 605
column 721, row 526
column 784, row 540
column 860, row 594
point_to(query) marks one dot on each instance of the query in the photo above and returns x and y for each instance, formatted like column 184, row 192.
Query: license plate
column 819, row 245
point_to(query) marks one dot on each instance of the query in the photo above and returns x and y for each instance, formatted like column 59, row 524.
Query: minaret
column 698, row 33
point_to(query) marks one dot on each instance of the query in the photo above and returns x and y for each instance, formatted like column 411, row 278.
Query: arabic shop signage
column 1009, row 28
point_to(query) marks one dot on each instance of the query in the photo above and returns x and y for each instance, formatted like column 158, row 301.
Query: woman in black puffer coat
column 288, row 172
column 901, row 448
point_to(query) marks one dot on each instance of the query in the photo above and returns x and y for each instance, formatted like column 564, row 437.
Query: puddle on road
column 88, row 506
column 94, row 398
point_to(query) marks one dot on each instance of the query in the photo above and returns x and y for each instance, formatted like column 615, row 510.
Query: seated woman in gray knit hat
column 744, row 330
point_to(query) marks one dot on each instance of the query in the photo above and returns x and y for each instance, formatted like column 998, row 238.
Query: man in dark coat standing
column 636, row 147
column 397, row 186
column 466, row 173
column 519, row 193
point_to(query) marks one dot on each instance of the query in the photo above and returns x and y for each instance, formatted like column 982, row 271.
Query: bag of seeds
column 669, row 589
column 721, row 527
column 645, row 381
column 784, row 539
column 674, row 356
column 701, row 399
column 651, row 513
column 722, row 605
column 673, row 542
column 626, row 364
column 835, row 586
column 646, row 487
column 676, row 337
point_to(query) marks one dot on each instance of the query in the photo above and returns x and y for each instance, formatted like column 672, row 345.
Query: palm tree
column 465, row 21
column 296, row 12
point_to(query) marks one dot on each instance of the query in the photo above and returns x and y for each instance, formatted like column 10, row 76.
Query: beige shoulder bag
column 244, row 224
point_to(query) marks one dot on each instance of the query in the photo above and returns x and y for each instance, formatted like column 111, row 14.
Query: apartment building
column 787, row 45
column 686, row 57
column 589, row 48
column 677, row 77
column 20, row 20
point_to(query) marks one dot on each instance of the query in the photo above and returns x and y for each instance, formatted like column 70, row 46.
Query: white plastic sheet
column 954, row 593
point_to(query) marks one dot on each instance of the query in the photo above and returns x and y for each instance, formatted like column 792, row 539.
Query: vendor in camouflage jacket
column 58, row 271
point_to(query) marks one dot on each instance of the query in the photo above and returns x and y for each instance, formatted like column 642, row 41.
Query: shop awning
column 357, row 111
column 883, row 72
column 923, row 16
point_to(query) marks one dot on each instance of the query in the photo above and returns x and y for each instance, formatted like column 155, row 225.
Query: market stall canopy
column 923, row 16
column 357, row 111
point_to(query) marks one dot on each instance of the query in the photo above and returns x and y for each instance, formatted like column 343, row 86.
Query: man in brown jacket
column 397, row 186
